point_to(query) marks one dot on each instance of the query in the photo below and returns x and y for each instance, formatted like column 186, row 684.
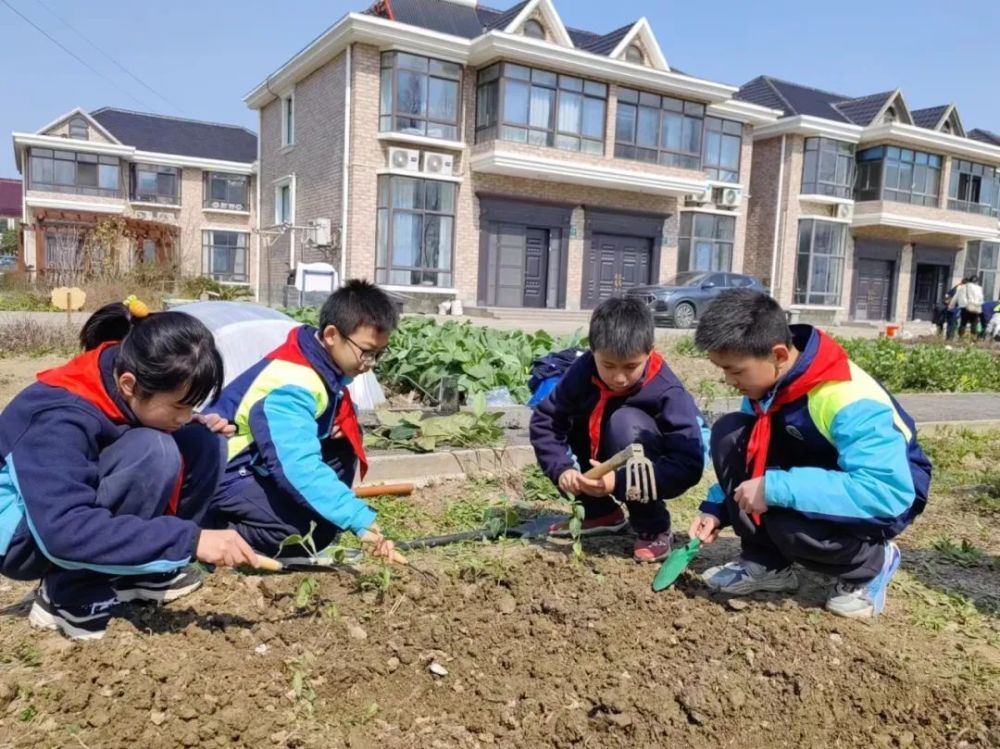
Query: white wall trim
column 517, row 164
column 418, row 289
column 644, row 31
column 78, row 111
column 380, row 32
column 422, row 140
column 547, row 11
column 808, row 125
column 711, row 211
column 745, row 112
column 157, row 206
column 825, row 199
column 418, row 175
column 930, row 139
column 32, row 201
column 223, row 227
column 207, row 165
column 925, row 225
column 289, row 182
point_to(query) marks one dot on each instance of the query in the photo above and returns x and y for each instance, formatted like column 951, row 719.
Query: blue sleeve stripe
column 11, row 507
column 291, row 426
column 149, row 568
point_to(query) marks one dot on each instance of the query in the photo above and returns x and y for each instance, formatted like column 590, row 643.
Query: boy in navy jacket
column 619, row 393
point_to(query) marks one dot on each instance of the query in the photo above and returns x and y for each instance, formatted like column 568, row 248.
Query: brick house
column 865, row 209
column 10, row 203
column 183, row 191
column 499, row 157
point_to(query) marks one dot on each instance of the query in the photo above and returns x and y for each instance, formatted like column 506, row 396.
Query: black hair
column 358, row 303
column 743, row 321
column 622, row 326
column 164, row 350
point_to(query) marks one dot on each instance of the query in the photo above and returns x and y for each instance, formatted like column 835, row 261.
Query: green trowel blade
column 675, row 564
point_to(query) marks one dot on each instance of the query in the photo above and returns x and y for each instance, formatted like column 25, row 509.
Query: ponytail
column 165, row 351
column 112, row 322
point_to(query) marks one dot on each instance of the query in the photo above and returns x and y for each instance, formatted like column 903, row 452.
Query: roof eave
column 809, row 125
column 922, row 137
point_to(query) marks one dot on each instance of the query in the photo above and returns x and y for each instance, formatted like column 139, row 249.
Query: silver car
column 680, row 301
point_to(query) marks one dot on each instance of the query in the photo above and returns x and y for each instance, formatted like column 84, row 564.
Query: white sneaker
column 865, row 601
column 742, row 577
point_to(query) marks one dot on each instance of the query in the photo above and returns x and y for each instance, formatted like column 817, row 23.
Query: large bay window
column 819, row 269
column 420, row 96
column 415, row 231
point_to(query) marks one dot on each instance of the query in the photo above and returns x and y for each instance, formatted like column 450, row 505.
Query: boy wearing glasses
column 298, row 443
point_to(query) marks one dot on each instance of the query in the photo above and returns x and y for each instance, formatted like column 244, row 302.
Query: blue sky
column 203, row 56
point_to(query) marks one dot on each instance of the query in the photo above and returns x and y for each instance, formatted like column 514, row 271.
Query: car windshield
column 691, row 278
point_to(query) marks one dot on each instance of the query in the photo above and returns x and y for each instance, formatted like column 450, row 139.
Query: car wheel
column 684, row 315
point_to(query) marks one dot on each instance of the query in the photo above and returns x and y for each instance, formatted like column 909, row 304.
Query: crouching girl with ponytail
column 105, row 473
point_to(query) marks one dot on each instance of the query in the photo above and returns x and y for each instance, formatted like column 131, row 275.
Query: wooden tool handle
column 613, row 463
column 268, row 565
column 378, row 491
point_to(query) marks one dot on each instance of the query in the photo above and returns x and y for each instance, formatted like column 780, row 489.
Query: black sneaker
column 158, row 588
column 83, row 622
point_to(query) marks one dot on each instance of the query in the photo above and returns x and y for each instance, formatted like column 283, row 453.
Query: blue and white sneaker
column 162, row 588
column 742, row 577
column 78, row 622
column 865, row 601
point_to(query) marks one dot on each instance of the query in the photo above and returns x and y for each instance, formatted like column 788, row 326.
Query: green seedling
column 965, row 553
column 576, row 530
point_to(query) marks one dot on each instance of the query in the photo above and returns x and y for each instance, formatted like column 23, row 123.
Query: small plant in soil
column 305, row 591
column 963, row 553
column 576, row 530
column 301, row 690
column 411, row 430
column 536, row 487
column 378, row 581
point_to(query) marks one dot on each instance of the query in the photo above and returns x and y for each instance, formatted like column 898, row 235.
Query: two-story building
column 499, row 157
column 865, row 209
column 183, row 191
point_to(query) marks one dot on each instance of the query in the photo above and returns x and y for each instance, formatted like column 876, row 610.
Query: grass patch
column 939, row 611
column 963, row 553
column 924, row 367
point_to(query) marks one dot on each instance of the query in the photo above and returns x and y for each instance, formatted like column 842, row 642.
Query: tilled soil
column 531, row 649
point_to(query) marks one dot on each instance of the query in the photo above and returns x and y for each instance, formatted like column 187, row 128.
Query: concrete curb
column 423, row 469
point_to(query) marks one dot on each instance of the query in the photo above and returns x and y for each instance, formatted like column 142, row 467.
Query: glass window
column 974, row 188
column 899, row 174
column 981, row 259
column 706, row 242
column 224, row 256
column 78, row 129
column 415, row 229
column 828, row 168
column 155, row 184
column 721, row 157
column 420, row 95
column 819, row 268
column 527, row 105
column 78, row 173
column 288, row 121
column 229, row 192
column 633, row 53
column 533, row 29
column 283, row 204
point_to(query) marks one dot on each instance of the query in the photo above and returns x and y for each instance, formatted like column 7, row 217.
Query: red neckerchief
column 829, row 364
column 346, row 418
column 653, row 367
column 82, row 376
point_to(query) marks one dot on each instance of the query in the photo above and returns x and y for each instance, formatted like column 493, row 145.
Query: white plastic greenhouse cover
column 245, row 333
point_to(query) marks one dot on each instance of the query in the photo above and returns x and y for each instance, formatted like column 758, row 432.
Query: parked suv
column 681, row 300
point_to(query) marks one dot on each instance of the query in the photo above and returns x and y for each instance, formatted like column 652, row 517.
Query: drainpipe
column 777, row 218
column 344, row 191
column 256, row 179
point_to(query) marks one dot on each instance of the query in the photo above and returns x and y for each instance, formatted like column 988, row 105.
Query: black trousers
column 785, row 536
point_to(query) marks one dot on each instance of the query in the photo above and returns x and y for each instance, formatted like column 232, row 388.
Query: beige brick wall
column 367, row 157
column 61, row 130
column 759, row 235
column 930, row 213
column 315, row 160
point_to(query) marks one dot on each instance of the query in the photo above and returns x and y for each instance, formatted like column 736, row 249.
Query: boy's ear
column 330, row 335
column 781, row 354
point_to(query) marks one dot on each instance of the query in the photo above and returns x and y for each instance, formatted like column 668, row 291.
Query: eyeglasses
column 367, row 356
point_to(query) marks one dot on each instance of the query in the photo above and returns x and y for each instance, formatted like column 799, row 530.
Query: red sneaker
column 613, row 522
column 652, row 548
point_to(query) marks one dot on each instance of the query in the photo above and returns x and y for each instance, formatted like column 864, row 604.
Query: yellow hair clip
column 136, row 308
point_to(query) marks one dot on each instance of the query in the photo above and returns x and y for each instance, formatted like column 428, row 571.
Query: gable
column 544, row 12
column 75, row 122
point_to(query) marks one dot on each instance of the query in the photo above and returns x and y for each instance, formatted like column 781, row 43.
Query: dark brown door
column 929, row 286
column 871, row 300
column 615, row 264
column 536, row 264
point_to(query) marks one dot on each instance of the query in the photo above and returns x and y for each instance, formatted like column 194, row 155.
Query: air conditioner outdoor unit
column 320, row 232
column 730, row 197
column 705, row 196
column 442, row 164
column 845, row 211
column 404, row 159
column 142, row 214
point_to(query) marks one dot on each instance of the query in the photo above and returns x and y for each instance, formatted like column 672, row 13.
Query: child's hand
column 706, row 528
column 750, row 496
column 573, row 482
column 381, row 546
column 215, row 423
column 224, row 549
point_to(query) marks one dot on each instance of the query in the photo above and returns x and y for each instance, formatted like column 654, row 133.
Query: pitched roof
column 492, row 19
column 605, row 45
column 792, row 98
column 863, row 110
column 10, row 197
column 985, row 136
column 929, row 117
column 154, row 132
column 440, row 16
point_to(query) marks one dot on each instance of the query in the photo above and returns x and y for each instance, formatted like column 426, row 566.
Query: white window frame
column 279, row 185
column 288, row 122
